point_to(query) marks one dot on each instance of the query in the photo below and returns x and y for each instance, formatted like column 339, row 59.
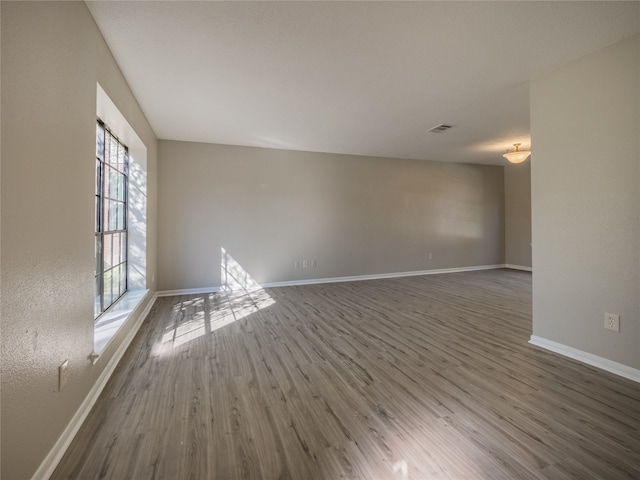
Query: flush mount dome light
column 515, row 155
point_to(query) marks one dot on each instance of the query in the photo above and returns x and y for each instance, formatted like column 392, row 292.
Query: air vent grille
column 440, row 128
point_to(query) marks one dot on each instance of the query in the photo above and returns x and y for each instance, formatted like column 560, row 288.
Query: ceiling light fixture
column 515, row 155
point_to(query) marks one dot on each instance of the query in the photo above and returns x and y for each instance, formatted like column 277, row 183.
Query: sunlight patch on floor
column 240, row 296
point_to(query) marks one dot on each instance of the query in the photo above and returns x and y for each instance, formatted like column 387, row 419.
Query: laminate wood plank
column 406, row 378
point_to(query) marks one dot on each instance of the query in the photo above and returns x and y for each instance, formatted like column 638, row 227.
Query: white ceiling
column 364, row 78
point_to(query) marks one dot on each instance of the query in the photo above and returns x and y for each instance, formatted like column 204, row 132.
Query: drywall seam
column 588, row 358
column 315, row 281
column 51, row 461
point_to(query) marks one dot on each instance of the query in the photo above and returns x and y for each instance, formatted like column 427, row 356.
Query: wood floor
column 412, row 378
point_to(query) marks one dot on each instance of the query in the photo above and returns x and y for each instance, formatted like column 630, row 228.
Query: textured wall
column 585, row 177
column 517, row 214
column 52, row 57
column 353, row 215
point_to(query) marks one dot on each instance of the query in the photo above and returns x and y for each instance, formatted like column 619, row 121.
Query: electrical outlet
column 612, row 322
column 63, row 374
column 296, row 264
column 305, row 263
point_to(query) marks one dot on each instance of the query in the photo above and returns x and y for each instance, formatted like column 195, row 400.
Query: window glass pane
column 121, row 213
column 98, row 252
column 116, row 184
column 110, row 183
column 97, row 207
column 121, row 282
column 123, row 277
column 122, row 154
column 113, row 224
column 114, row 286
column 107, row 147
column 113, row 151
column 96, row 301
column 98, row 182
column 112, row 215
column 99, row 140
column 121, row 187
column 123, row 246
column 109, row 187
column 108, row 250
column 105, row 215
column 116, row 282
column 106, row 179
column 116, row 249
column 107, row 288
column 120, row 221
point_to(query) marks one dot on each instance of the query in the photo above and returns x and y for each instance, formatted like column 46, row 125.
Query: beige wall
column 585, row 125
column 517, row 214
column 52, row 57
column 353, row 215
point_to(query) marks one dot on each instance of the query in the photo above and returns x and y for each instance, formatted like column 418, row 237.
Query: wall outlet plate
column 612, row 322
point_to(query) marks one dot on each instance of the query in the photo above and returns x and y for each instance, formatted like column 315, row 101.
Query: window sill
column 110, row 322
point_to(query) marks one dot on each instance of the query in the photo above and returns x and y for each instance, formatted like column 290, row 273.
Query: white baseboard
column 51, row 461
column 188, row 291
column 379, row 276
column 315, row 281
column 588, row 358
column 518, row 267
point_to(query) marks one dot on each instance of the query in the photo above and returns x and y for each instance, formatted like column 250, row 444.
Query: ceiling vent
column 440, row 128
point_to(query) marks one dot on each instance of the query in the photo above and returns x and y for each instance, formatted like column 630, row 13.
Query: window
column 130, row 252
column 112, row 170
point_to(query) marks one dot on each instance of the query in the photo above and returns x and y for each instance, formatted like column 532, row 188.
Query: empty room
column 320, row 240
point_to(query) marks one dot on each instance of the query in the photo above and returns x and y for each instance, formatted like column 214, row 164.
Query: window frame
column 106, row 205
